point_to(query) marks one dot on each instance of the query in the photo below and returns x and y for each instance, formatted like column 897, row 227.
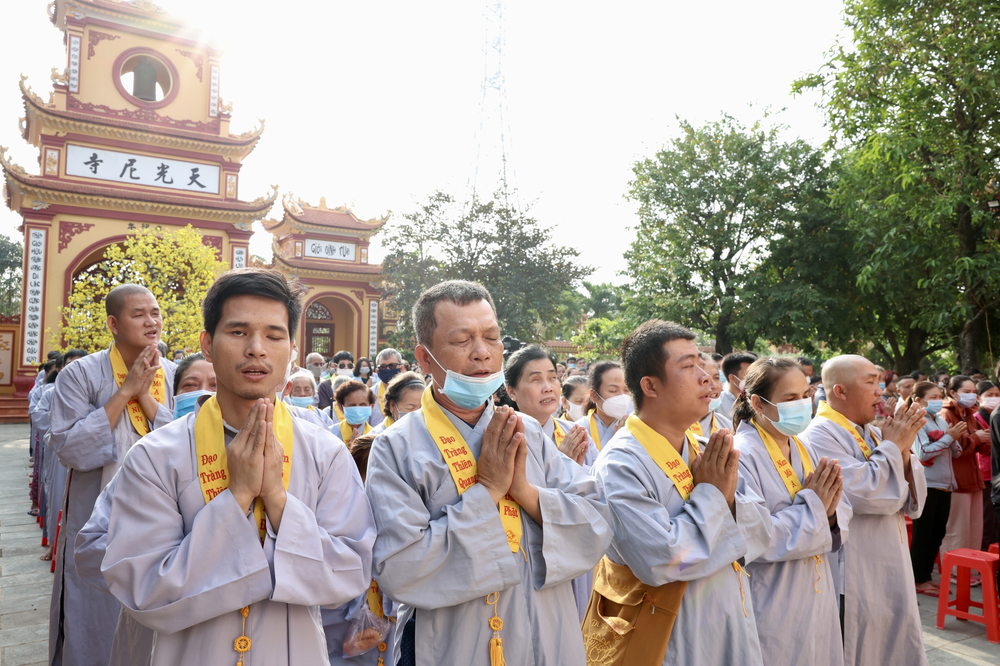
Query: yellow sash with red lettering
column 462, row 466
column 828, row 412
column 213, row 463
column 665, row 455
column 782, row 464
column 158, row 389
column 213, row 472
column 696, row 427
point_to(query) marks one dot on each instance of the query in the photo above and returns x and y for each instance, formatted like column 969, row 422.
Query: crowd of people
column 483, row 506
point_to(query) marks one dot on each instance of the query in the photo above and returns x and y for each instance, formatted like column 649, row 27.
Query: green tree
column 915, row 97
column 11, row 254
column 708, row 204
column 175, row 265
column 489, row 242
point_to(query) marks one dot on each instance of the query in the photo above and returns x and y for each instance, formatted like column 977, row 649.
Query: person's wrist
column 276, row 496
column 242, row 498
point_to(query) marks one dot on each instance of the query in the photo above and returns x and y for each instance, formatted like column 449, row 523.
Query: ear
column 650, row 386
column 423, row 356
column 510, row 392
column 842, row 394
column 206, row 345
column 113, row 324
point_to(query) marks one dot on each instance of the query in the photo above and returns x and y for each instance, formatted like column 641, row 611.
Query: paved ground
column 26, row 584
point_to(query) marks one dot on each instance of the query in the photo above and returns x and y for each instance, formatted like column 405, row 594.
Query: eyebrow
column 243, row 324
column 686, row 357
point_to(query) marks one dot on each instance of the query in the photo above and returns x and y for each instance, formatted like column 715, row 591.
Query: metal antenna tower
column 493, row 160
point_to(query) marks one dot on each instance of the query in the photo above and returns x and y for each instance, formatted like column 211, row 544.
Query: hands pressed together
column 255, row 463
column 827, row 483
column 902, row 429
column 718, row 465
column 502, row 463
column 575, row 444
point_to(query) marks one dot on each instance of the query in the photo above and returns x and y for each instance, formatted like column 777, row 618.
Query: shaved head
column 851, row 384
column 114, row 304
column 845, row 368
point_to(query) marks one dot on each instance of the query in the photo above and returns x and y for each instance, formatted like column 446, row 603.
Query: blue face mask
column 793, row 416
column 934, row 406
column 714, row 405
column 881, row 386
column 304, row 402
column 386, row 374
column 185, row 402
column 468, row 392
column 357, row 415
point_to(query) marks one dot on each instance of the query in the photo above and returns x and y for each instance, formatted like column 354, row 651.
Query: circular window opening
column 146, row 78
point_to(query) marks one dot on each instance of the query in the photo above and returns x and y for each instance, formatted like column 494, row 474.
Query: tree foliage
column 489, row 242
column 11, row 255
column 915, row 99
column 174, row 264
column 709, row 204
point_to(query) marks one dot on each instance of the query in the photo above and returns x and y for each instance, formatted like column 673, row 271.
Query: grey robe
column 881, row 619
column 443, row 553
column 795, row 624
column 184, row 568
column 582, row 585
column 662, row 538
column 53, row 473
column 82, row 619
column 721, row 421
column 604, row 432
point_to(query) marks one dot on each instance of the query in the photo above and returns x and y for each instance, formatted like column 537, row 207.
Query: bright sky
column 377, row 104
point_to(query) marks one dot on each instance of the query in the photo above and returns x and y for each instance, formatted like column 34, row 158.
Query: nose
column 255, row 346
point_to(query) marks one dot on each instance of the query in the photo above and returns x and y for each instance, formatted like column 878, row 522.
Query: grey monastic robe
column 53, row 473
column 604, row 432
column 721, row 421
column 795, row 623
column 184, row 568
column 82, row 619
column 662, row 538
column 881, row 620
column 443, row 553
column 582, row 585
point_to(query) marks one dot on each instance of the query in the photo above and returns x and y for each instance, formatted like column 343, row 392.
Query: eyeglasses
column 389, row 366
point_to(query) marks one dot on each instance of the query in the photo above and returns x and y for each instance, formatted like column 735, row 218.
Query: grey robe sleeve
column 325, row 558
column 753, row 520
column 80, row 433
column 799, row 530
column 169, row 580
column 698, row 541
column 575, row 518
column 92, row 540
column 876, row 487
column 457, row 557
column 41, row 413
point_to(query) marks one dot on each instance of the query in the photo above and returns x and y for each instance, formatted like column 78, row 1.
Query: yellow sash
column 593, row 430
column 158, row 389
column 213, row 471
column 696, row 427
column 380, row 392
column 338, row 412
column 672, row 464
column 388, row 421
column 346, row 430
column 828, row 412
column 557, row 432
column 665, row 455
column 462, row 464
column 784, row 466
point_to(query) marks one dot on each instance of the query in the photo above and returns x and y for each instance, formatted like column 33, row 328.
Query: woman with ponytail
column 792, row 587
column 609, row 403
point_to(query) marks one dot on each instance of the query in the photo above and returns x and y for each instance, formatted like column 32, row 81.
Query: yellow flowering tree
column 174, row 264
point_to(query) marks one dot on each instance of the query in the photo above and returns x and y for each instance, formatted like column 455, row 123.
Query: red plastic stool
column 995, row 548
column 52, row 569
column 966, row 560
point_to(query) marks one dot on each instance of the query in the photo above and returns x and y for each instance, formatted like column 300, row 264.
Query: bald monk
column 232, row 525
column 883, row 483
column 102, row 405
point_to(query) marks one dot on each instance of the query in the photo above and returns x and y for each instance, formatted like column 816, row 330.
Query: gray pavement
column 26, row 584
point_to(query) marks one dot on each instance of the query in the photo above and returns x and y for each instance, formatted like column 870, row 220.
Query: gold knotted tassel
column 899, row 524
column 740, row 571
column 242, row 642
column 819, row 561
column 381, row 653
column 496, row 624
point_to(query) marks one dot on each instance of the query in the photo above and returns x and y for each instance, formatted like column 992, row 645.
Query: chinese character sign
column 33, row 296
column 373, row 329
column 111, row 165
column 324, row 249
column 239, row 257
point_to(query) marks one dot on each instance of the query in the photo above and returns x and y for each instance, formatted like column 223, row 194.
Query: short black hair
column 804, row 361
column 915, row 375
column 732, row 361
column 644, row 353
column 343, row 355
column 253, row 281
column 73, row 353
column 460, row 292
column 514, row 367
column 717, row 357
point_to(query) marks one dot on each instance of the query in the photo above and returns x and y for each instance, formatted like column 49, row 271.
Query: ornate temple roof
column 301, row 214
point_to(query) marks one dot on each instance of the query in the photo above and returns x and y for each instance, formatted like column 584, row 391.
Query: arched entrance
column 330, row 325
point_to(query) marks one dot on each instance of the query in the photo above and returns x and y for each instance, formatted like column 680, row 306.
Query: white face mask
column 576, row 412
column 990, row 403
column 617, row 406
